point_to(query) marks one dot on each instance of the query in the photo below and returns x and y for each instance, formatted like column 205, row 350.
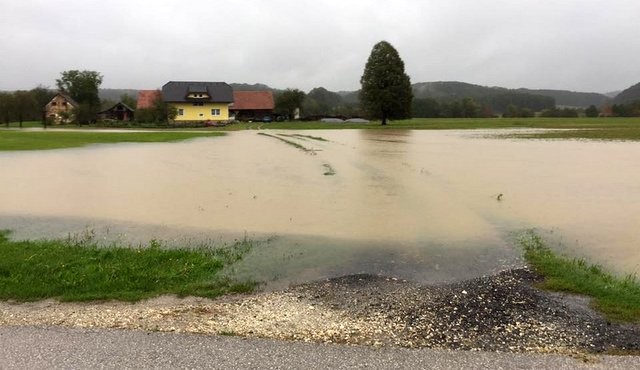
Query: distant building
column 252, row 105
column 60, row 108
column 119, row 112
column 146, row 98
column 198, row 101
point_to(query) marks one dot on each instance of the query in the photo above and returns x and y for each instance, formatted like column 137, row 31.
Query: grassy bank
column 78, row 271
column 38, row 140
column 618, row 298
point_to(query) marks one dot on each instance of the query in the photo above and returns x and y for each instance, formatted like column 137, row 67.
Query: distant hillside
column 628, row 95
column 613, row 94
column 351, row 97
column 115, row 94
column 452, row 90
column 573, row 99
column 498, row 98
column 251, row 87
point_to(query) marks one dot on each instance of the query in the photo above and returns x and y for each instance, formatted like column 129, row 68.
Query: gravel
column 502, row 312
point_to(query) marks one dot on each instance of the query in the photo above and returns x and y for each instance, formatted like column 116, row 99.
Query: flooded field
column 423, row 205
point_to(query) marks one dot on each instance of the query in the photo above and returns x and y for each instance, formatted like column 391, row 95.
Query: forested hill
column 498, row 98
column 629, row 95
column 449, row 90
column 114, row 95
column 572, row 98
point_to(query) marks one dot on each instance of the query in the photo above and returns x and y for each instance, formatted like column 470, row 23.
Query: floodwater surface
column 423, row 205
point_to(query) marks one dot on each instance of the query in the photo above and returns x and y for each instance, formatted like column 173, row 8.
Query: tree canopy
column 386, row 88
column 82, row 86
column 288, row 101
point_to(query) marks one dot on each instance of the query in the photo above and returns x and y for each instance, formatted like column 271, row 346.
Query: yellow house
column 198, row 101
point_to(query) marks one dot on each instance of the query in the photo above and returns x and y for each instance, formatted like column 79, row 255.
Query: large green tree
column 82, row 86
column 386, row 88
column 288, row 101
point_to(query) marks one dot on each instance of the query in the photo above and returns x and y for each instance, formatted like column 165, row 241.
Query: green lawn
column 52, row 139
column 618, row 298
column 72, row 271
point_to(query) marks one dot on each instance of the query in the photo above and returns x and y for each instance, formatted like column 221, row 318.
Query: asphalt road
column 56, row 348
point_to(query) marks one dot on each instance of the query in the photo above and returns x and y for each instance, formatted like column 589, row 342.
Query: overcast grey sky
column 582, row 45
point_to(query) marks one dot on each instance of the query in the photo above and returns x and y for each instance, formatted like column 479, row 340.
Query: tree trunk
column 384, row 118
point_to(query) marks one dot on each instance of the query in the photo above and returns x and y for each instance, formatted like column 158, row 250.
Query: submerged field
column 577, row 128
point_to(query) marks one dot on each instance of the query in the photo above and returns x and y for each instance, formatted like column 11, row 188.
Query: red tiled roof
column 146, row 98
column 256, row 100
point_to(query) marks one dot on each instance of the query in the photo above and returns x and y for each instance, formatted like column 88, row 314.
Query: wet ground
column 429, row 206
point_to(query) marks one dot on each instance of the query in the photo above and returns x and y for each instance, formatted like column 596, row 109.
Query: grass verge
column 618, row 298
column 39, row 140
column 80, row 271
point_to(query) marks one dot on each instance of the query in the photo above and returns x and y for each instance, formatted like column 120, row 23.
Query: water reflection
column 416, row 204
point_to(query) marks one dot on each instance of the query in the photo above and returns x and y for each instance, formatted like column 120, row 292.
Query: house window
column 180, row 112
column 53, row 103
column 215, row 112
column 198, row 104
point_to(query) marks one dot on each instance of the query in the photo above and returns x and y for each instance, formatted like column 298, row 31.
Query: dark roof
column 126, row 107
column 253, row 100
column 177, row 91
column 146, row 98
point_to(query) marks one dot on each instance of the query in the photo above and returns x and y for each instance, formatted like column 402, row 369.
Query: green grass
column 52, row 139
column 69, row 270
column 618, row 298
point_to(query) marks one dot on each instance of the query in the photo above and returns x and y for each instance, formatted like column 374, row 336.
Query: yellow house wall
column 201, row 113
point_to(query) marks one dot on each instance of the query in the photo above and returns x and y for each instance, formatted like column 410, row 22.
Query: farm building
column 119, row 112
column 252, row 105
column 198, row 101
column 60, row 108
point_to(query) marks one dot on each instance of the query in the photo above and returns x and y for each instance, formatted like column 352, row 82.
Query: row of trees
column 631, row 109
column 28, row 105
column 23, row 105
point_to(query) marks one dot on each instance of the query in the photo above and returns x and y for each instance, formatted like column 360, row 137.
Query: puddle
column 413, row 204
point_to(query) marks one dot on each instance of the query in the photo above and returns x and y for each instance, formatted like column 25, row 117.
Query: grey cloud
column 579, row 45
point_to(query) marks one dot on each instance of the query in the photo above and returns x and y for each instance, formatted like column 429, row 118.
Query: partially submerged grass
column 599, row 128
column 38, row 140
column 292, row 143
column 618, row 298
column 609, row 134
column 79, row 270
column 318, row 138
column 329, row 170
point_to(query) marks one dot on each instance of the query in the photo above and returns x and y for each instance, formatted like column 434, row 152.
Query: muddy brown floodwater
column 424, row 205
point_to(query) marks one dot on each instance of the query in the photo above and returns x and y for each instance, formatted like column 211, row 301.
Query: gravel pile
column 502, row 312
